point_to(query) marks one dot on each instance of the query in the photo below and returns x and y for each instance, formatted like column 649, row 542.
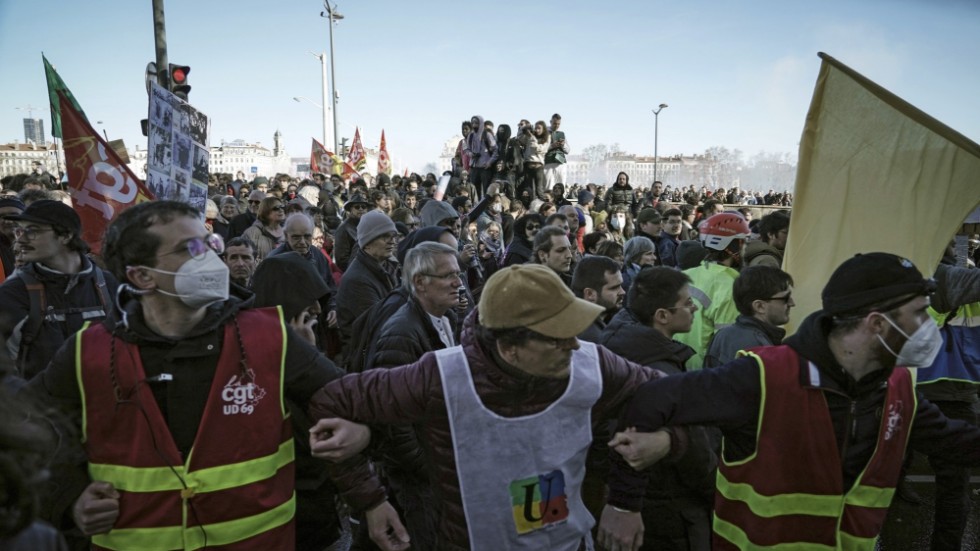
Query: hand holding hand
column 641, row 449
column 336, row 439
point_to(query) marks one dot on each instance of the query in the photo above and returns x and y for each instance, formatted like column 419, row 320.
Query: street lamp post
column 332, row 15
column 656, row 131
column 327, row 139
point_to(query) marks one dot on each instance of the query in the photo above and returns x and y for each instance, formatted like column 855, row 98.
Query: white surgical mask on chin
column 199, row 283
column 920, row 349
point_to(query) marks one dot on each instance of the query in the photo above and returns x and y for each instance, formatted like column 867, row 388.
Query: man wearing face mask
column 181, row 400
column 815, row 429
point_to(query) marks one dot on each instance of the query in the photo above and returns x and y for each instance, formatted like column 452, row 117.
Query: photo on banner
column 179, row 153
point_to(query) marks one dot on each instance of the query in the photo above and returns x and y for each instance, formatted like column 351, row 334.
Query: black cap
column 870, row 279
column 52, row 213
column 356, row 199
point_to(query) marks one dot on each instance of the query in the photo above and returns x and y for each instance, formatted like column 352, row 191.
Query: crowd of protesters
column 493, row 331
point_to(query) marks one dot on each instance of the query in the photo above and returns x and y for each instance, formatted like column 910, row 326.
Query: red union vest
column 790, row 494
column 235, row 489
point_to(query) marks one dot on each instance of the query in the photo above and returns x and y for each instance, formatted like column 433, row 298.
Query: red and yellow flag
column 384, row 160
column 101, row 185
column 356, row 157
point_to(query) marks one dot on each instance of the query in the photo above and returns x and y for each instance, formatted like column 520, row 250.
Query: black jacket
column 64, row 296
column 365, row 283
column 403, row 340
column 240, row 223
column 729, row 397
column 518, row 252
column 316, row 257
column 689, row 482
column 345, row 243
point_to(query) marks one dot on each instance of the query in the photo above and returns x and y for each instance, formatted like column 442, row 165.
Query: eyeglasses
column 359, row 206
column 786, row 298
column 280, row 208
column 29, row 233
column 447, row 277
column 532, row 227
column 198, row 247
column 254, row 202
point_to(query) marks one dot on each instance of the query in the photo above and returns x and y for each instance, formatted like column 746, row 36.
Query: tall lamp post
column 332, row 15
column 327, row 138
column 656, row 131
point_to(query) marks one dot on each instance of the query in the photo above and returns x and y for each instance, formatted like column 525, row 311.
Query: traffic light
column 178, row 80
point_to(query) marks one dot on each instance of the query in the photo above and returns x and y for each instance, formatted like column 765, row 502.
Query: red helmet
column 718, row 231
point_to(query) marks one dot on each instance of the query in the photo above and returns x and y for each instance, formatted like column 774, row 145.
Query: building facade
column 18, row 158
column 34, row 131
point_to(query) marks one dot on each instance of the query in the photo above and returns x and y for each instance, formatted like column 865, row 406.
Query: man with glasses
column 245, row 220
column 764, row 297
column 676, row 507
column 181, row 401
column 372, row 273
column 57, row 289
column 670, row 237
column 298, row 229
column 345, row 237
column 426, row 322
column 505, row 416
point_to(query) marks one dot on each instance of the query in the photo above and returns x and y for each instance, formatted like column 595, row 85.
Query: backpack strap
column 35, row 315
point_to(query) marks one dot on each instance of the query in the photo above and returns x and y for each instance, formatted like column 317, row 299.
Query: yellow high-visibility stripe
column 740, row 539
column 780, row 504
column 850, row 542
column 219, row 533
column 222, row 477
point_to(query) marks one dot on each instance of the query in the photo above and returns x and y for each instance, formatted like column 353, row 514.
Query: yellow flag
column 875, row 174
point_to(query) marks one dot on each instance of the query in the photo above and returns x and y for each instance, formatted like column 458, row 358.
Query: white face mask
column 496, row 207
column 618, row 221
column 920, row 349
column 199, row 283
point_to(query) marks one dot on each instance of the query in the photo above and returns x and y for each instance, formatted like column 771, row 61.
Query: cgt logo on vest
column 894, row 421
column 240, row 396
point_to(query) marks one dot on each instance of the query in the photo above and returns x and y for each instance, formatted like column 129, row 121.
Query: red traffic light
column 178, row 74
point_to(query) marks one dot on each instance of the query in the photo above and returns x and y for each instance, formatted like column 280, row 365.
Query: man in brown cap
column 506, row 416
column 815, row 429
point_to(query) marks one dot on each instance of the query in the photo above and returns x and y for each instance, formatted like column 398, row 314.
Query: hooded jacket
column 434, row 212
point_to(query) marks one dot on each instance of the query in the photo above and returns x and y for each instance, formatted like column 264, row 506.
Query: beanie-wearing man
column 842, row 376
column 371, row 275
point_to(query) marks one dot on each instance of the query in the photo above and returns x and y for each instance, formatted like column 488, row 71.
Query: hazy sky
column 735, row 74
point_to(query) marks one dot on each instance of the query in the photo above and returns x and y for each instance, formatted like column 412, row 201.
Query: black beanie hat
column 872, row 278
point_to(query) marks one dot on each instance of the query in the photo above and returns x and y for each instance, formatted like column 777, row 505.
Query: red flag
column 384, row 161
column 326, row 162
column 101, row 185
column 355, row 157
